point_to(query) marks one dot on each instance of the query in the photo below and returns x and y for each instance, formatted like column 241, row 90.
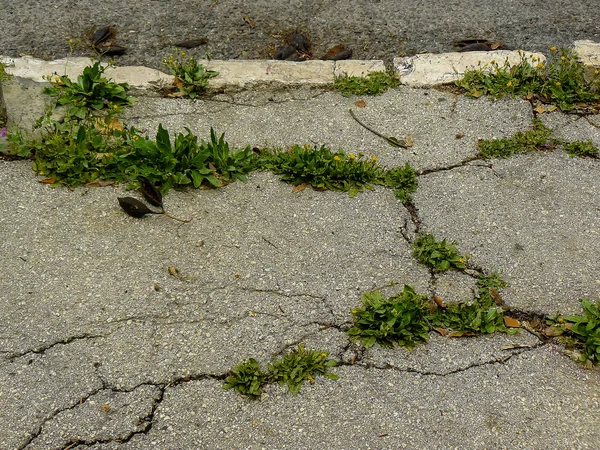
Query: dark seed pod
column 191, row 43
column 300, row 41
column 134, row 207
column 112, row 50
column 151, row 192
column 284, row 52
column 100, row 35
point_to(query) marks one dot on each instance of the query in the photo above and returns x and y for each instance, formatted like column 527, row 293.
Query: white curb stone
column 589, row 54
column 357, row 68
column 433, row 69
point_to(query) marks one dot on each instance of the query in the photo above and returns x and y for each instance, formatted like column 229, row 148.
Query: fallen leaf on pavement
column 48, row 181
column 439, row 302
column 511, row 322
column 105, row 407
column 300, row 187
column 442, row 331
column 409, row 141
column 540, row 109
column 360, row 103
column 248, row 20
column 553, row 331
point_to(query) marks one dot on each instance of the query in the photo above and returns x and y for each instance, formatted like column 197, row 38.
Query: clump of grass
column 403, row 180
column 374, row 83
column 293, row 370
column 559, row 82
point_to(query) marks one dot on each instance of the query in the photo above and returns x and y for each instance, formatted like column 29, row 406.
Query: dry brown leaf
column 173, row 271
column 248, row 20
column 300, row 187
column 511, row 347
column 105, row 128
column 459, row 135
column 553, row 331
column 540, row 109
column 439, row 302
column 48, row 181
column 409, row 141
column 360, row 103
column 101, row 183
column 512, row 322
column 105, row 407
column 461, row 334
column 320, row 189
column 442, row 331
column 496, row 296
column 496, row 45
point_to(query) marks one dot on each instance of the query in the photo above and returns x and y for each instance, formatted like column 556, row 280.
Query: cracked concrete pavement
column 100, row 347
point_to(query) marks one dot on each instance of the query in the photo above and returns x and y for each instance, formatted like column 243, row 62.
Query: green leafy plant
column 582, row 149
column 91, row 92
column 247, row 378
column 439, row 255
column 323, row 169
column 397, row 320
column 293, row 370
column 560, row 81
column 538, row 138
column 191, row 78
column 586, row 329
column 403, row 180
column 374, row 83
column 300, row 365
column 4, row 75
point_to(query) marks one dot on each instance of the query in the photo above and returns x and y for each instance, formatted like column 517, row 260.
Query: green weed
column 560, row 81
column 586, row 330
column 293, row 370
column 538, row 138
column 323, row 169
column 582, row 149
column 191, row 77
column 247, row 378
column 403, row 180
column 91, row 92
column 398, row 320
column 438, row 255
column 374, row 83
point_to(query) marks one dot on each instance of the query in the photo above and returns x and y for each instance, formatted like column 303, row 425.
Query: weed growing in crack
column 539, row 138
column 323, row 169
column 398, row 320
column 580, row 332
column 247, row 378
column 403, row 180
column 293, row 370
column 560, row 81
column 191, row 77
column 374, row 83
column 90, row 93
column 582, row 149
column 406, row 319
column 438, row 255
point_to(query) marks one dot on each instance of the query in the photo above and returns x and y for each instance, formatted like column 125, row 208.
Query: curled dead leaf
column 442, row 331
column 105, row 407
column 540, row 109
column 48, row 181
column 496, row 296
column 173, row 271
column 511, row 322
column 300, row 187
column 439, row 302
column 360, row 103
column 409, row 140
column 248, row 20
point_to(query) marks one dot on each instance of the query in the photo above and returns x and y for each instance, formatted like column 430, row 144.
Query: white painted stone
column 589, row 54
column 435, row 69
column 244, row 73
column 357, row 68
column 38, row 69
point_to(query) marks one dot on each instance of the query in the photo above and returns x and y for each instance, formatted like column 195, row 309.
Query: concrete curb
column 423, row 70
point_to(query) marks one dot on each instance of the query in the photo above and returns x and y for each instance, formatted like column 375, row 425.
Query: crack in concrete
column 41, row 350
column 500, row 360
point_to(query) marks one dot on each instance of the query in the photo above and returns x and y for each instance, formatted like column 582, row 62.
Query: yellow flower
column 306, row 146
column 493, row 61
column 540, row 65
column 135, row 137
column 70, row 41
column 115, row 107
column 354, row 311
column 461, row 260
column 509, row 84
column 553, row 48
column 336, row 158
column 351, row 155
column 182, row 53
column 323, row 355
column 374, row 159
column 562, row 58
column 558, row 83
column 596, row 72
